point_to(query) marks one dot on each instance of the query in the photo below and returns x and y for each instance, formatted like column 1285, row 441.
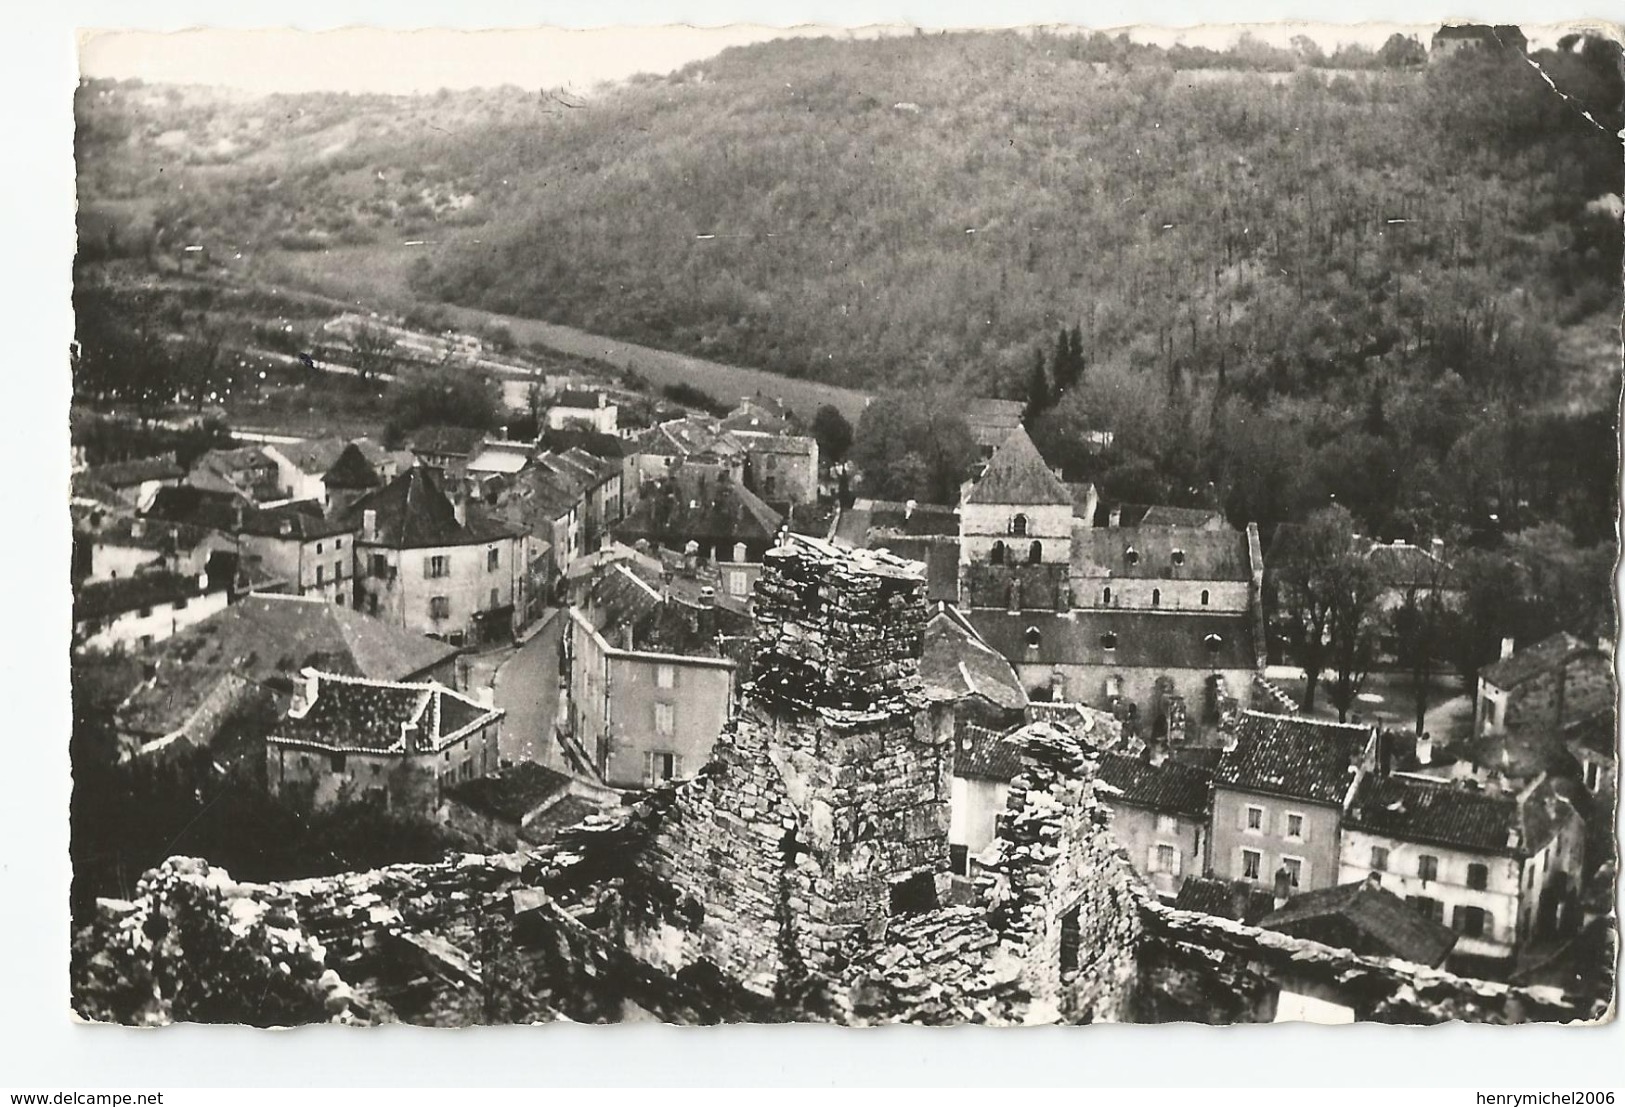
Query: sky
column 371, row 59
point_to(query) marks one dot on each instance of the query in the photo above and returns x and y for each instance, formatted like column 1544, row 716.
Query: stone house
column 1016, row 512
column 1279, row 796
column 650, row 680
column 301, row 544
column 1594, row 743
column 584, row 410
column 245, row 472
column 1544, row 687
column 781, row 468
column 1159, row 815
column 1451, row 38
column 708, row 514
column 520, row 805
column 136, row 612
column 984, row 764
column 599, row 481
column 256, row 649
column 445, row 448
column 439, row 566
column 402, row 746
column 121, row 545
column 1497, row 867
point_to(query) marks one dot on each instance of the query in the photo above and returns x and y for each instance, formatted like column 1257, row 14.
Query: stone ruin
column 802, row 875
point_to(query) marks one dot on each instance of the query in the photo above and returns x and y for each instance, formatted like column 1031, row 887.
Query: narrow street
column 526, row 684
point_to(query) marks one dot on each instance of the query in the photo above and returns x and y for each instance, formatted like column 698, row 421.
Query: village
column 516, row 640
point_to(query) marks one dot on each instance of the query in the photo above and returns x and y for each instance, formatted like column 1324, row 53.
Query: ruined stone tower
column 824, row 809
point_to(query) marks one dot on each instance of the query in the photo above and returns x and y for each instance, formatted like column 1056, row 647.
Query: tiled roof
column 957, row 664
column 1120, row 639
column 793, row 445
column 597, row 443
column 618, row 597
column 918, row 520
column 581, row 399
column 185, row 503
column 731, row 513
column 414, row 513
column 1598, row 733
column 1440, row 812
column 312, row 455
column 1162, row 515
column 1401, row 565
column 1366, row 917
column 123, row 474
column 271, row 639
column 1212, row 896
column 1017, row 474
column 352, row 470
column 301, row 521
column 1528, row 663
column 1289, row 755
column 352, row 714
column 150, row 534
column 689, row 436
column 1171, row 787
column 1150, row 553
column 685, row 629
column 983, row 754
column 561, row 816
column 512, row 793
column 106, row 598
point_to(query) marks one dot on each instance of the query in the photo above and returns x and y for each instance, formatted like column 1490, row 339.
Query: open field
column 375, row 276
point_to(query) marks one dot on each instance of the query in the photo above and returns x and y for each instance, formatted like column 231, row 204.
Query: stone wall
column 1567, row 693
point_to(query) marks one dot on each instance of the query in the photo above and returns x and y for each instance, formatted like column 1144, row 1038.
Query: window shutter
column 1304, row 826
column 676, row 767
column 1458, row 919
column 1151, row 860
column 1241, row 818
column 1177, row 861
column 428, row 566
column 649, row 768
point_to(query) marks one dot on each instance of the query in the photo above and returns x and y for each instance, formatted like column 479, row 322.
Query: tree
column 1039, row 397
column 449, row 397
column 1321, row 596
column 914, row 445
column 1421, row 626
column 833, row 432
column 374, row 349
column 1351, row 629
column 1401, row 51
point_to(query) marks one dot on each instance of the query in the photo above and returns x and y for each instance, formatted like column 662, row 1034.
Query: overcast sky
column 359, row 59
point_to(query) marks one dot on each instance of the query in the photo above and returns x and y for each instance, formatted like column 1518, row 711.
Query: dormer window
column 1213, row 642
column 1131, row 555
column 1034, row 638
column 1179, row 557
column 1108, row 641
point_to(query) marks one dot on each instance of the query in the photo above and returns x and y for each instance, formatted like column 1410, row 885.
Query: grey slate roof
column 956, row 664
column 1290, row 755
column 1149, row 552
column 1367, row 918
column 1439, row 812
column 1017, row 474
column 1170, row 788
column 1143, row 639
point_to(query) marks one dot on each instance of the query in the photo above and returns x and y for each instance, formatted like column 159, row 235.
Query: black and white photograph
column 856, row 526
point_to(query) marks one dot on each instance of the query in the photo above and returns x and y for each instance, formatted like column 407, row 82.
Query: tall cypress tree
column 1039, row 397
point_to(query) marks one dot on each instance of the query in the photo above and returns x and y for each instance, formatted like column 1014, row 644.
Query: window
column 1033, row 638
column 319, row 547
column 338, row 543
column 1108, row 641
column 338, row 570
column 493, row 559
column 997, row 556
column 1106, row 597
column 1167, row 824
column 321, row 574
column 1427, row 867
column 1470, row 922
column 1379, row 859
column 372, row 604
column 959, row 860
column 1294, row 869
column 1255, row 818
column 1018, row 525
column 380, row 565
column 665, row 676
column 1427, row 907
column 439, row 607
column 663, row 767
column 665, row 718
column 1252, row 863
column 1294, row 826
column 1593, row 775
column 1478, row 877
column 338, row 762
column 1035, row 553
column 438, row 565
column 1156, row 597
column 1179, row 557
column 1165, row 859
column 496, row 600
column 738, row 583
column 1131, row 555
column 1071, row 941
column 1204, row 597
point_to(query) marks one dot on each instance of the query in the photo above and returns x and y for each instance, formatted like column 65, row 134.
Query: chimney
column 1385, row 754
column 1283, row 887
column 1373, row 880
column 138, row 528
column 603, row 400
column 1438, row 548
column 1506, row 648
column 1057, row 685
column 1116, row 517
column 305, row 691
column 459, row 507
column 369, row 525
column 1157, row 752
column 486, row 696
column 708, row 612
column 908, row 509
column 285, row 527
column 1424, row 749
column 1241, row 895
